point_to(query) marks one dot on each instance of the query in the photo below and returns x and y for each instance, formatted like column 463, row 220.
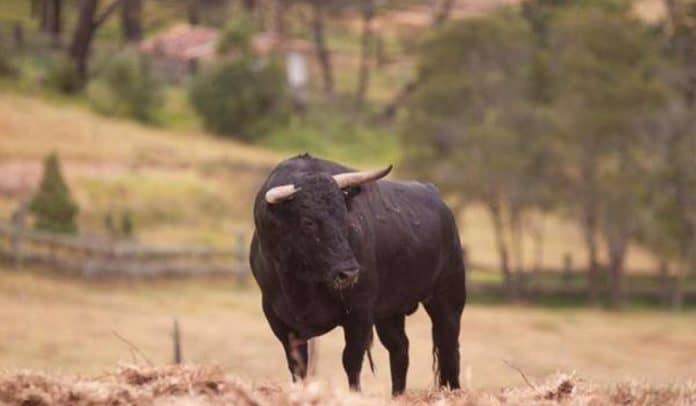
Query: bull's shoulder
column 409, row 193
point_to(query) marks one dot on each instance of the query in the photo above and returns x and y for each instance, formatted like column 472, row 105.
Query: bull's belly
column 397, row 300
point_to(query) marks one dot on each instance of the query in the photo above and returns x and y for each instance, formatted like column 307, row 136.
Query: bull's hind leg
column 445, row 310
column 392, row 334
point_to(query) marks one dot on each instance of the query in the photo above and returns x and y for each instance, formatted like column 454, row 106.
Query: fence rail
column 93, row 259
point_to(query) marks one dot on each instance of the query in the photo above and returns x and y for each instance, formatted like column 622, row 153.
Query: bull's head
column 312, row 222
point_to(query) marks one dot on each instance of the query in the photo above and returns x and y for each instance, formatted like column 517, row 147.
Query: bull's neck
column 305, row 297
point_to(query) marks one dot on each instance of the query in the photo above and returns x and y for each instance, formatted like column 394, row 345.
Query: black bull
column 334, row 247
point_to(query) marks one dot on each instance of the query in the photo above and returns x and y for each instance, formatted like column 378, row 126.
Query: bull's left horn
column 345, row 180
column 280, row 193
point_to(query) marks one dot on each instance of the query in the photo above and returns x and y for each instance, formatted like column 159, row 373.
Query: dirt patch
column 203, row 385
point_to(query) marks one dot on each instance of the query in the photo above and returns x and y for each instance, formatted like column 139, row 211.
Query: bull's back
column 416, row 244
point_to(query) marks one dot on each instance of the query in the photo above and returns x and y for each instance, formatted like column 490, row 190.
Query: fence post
column 176, row 339
column 567, row 269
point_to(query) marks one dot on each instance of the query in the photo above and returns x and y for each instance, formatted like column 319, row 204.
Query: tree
column 669, row 225
column 53, row 207
column 240, row 98
column 88, row 22
column 441, row 12
column 608, row 91
column 465, row 125
column 131, row 20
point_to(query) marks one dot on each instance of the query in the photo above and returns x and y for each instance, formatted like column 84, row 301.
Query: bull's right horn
column 345, row 180
column 280, row 193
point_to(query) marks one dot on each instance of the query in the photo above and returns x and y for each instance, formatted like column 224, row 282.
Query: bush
column 62, row 76
column 126, row 88
column 52, row 205
column 236, row 37
column 240, row 98
column 7, row 64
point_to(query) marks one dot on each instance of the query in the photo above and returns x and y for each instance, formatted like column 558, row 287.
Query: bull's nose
column 346, row 278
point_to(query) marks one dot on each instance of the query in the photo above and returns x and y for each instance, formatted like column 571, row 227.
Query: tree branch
column 109, row 10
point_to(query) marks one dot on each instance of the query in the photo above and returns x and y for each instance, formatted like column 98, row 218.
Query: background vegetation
column 561, row 132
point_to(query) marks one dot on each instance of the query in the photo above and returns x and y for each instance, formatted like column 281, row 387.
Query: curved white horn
column 345, row 180
column 280, row 193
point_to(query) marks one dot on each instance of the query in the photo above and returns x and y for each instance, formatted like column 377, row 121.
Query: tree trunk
column 538, row 236
column 617, row 244
column 678, row 289
column 517, row 248
column 52, row 20
column 368, row 13
column 501, row 245
column 440, row 15
column 590, row 235
column 193, row 12
column 87, row 24
column 131, row 20
column 442, row 12
column 82, row 38
column 663, row 273
column 321, row 49
column 249, row 5
column 279, row 10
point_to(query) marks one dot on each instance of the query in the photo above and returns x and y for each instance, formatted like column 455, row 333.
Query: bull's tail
column 369, row 353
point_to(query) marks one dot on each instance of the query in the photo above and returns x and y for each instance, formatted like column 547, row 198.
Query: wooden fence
column 95, row 259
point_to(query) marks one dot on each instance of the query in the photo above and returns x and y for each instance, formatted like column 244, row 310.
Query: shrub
column 126, row 87
column 7, row 64
column 62, row 76
column 240, row 98
column 236, row 36
column 52, row 205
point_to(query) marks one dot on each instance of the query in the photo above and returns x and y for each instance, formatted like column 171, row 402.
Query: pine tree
column 52, row 205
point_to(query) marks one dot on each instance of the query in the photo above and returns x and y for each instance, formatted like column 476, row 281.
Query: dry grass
column 194, row 385
column 68, row 326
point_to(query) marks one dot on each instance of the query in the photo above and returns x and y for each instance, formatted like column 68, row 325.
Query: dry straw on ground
column 193, row 385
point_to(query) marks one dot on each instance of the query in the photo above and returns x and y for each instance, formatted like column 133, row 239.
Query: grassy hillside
column 70, row 326
column 188, row 186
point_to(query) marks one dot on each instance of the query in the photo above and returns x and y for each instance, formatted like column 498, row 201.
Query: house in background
column 177, row 52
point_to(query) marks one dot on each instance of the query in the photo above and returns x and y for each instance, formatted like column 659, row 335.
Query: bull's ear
column 281, row 193
column 346, row 180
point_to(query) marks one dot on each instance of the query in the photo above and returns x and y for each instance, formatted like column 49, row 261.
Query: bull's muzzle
column 346, row 278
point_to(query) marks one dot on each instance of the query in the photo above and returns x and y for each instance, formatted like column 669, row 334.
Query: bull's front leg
column 295, row 348
column 357, row 330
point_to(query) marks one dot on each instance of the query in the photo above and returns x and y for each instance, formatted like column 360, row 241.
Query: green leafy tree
column 53, row 207
column 127, row 87
column 242, row 98
column 471, row 126
column 608, row 93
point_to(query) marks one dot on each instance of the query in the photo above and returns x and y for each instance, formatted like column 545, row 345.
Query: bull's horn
column 280, row 193
column 345, row 180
